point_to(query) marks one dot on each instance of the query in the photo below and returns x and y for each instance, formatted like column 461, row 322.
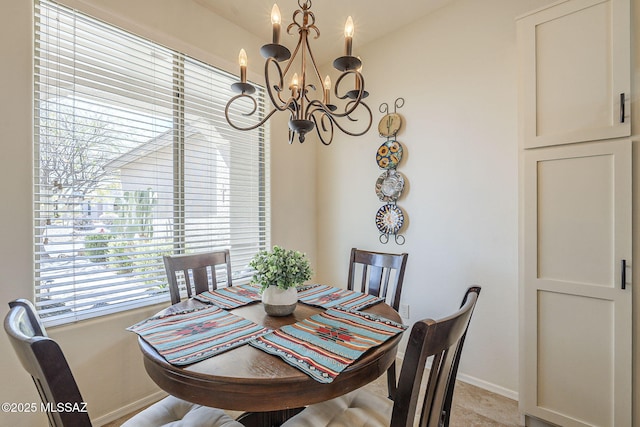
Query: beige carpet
column 472, row 407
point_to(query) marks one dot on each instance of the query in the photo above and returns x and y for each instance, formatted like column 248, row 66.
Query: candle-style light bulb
column 242, row 59
column 294, row 85
column 327, row 89
column 348, row 27
column 276, row 19
column 348, row 36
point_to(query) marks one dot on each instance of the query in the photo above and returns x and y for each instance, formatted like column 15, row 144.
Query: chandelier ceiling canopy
column 295, row 84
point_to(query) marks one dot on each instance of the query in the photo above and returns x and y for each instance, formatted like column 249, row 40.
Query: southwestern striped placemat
column 326, row 296
column 191, row 336
column 231, row 296
column 325, row 344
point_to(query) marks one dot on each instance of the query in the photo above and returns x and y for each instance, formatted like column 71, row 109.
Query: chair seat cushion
column 174, row 412
column 359, row 408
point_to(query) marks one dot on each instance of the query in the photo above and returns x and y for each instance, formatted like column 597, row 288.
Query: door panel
column 575, row 351
column 577, row 318
column 570, row 247
column 556, row 55
column 574, row 66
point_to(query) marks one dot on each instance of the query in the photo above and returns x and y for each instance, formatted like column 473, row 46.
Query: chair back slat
column 198, row 272
column 375, row 271
column 443, row 340
column 43, row 359
column 375, row 280
column 386, row 281
column 175, row 284
column 431, row 391
column 201, row 279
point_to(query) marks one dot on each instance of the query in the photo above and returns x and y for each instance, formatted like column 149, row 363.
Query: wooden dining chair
column 199, row 268
column 441, row 339
column 44, row 360
column 379, row 274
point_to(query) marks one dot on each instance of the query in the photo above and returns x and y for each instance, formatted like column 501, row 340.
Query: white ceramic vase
column 279, row 302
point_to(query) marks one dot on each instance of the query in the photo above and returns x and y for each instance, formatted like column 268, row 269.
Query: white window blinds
column 133, row 160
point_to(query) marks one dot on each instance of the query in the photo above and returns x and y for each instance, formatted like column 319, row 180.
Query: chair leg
column 391, row 380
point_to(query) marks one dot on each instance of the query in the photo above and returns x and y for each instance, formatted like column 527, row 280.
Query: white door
column 576, row 347
column 575, row 72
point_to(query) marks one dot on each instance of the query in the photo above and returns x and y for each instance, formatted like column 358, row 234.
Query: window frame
column 180, row 216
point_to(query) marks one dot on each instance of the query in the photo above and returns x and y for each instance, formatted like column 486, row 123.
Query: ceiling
column 372, row 19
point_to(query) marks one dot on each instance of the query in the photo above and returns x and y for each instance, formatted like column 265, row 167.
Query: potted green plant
column 278, row 272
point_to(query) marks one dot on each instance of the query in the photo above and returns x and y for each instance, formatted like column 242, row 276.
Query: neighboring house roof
column 164, row 140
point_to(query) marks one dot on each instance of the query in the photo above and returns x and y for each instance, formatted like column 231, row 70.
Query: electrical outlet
column 404, row 311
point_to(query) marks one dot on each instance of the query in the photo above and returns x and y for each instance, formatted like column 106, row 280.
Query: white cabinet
column 576, row 346
column 575, row 72
column 576, row 214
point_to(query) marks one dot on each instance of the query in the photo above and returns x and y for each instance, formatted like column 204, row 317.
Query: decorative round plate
column 389, row 154
column 389, row 219
column 389, row 185
column 389, row 124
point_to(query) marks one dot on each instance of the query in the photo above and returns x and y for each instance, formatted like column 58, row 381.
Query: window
column 133, row 160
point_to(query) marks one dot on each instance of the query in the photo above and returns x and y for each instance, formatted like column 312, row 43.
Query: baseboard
column 127, row 409
column 485, row 385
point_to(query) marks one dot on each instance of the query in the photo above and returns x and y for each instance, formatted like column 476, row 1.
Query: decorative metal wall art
column 390, row 184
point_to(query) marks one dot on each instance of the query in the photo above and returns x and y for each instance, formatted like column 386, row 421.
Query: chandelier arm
column 322, row 122
column 280, row 103
column 306, row 94
column 295, row 52
column 324, row 128
column 283, row 105
column 292, row 115
column 351, row 119
column 368, row 125
column 315, row 105
column 294, row 23
column 358, row 98
column 255, row 107
column 293, row 108
column 337, row 85
column 334, row 119
column 313, row 59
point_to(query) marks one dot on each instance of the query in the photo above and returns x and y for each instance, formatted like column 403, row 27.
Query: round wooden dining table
column 263, row 386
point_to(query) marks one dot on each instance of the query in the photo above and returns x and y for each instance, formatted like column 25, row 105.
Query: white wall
column 15, row 183
column 457, row 72
column 104, row 357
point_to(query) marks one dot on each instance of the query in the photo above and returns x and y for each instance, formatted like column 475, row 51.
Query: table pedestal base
column 267, row 419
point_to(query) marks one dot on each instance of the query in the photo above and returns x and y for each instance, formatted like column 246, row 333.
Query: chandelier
column 307, row 97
